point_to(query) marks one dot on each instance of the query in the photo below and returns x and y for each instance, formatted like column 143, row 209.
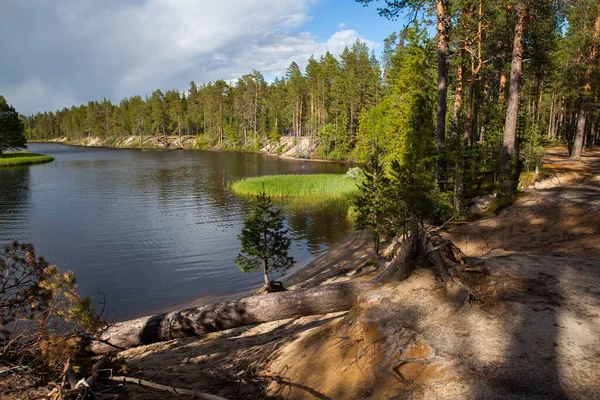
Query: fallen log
column 229, row 314
column 441, row 253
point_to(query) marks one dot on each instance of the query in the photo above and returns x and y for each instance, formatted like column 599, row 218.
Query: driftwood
column 439, row 252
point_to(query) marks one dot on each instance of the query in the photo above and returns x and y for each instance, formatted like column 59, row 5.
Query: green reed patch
column 23, row 158
column 301, row 188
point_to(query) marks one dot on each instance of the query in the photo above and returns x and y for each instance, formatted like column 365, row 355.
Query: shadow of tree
column 224, row 363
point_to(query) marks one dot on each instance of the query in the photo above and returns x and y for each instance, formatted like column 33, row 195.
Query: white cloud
column 342, row 25
column 78, row 50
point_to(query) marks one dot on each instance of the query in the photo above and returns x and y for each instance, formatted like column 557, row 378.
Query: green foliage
column 12, row 130
column 274, row 136
column 533, row 147
column 264, row 240
column 416, row 192
column 401, row 125
column 42, row 318
column 23, row 158
column 374, row 207
column 354, row 173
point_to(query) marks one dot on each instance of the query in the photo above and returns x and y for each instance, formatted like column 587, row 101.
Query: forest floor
column 531, row 331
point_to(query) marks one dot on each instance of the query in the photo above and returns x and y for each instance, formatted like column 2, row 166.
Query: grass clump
column 23, row 158
column 297, row 187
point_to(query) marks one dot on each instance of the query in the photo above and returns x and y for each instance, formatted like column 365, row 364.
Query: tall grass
column 23, row 158
column 327, row 193
column 318, row 186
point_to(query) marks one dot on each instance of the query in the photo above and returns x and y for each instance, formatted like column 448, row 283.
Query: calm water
column 152, row 230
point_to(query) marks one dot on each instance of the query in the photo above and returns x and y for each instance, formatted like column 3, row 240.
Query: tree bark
column 458, row 96
column 475, row 68
column 502, row 89
column 552, row 120
column 512, row 110
column 442, row 51
column 468, row 135
column 579, row 134
column 266, row 275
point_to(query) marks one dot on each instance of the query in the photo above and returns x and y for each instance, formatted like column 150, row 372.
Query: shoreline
column 187, row 143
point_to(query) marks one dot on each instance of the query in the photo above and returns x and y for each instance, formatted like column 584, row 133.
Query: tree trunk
column 552, row 120
column 512, row 111
column 578, row 142
column 468, row 135
column 179, row 129
column 266, row 275
column 458, row 95
column 441, row 253
column 442, row 51
column 230, row 314
column 502, row 89
column 475, row 68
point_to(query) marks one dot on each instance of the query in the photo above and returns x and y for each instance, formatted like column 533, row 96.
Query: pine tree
column 375, row 208
column 264, row 240
column 12, row 130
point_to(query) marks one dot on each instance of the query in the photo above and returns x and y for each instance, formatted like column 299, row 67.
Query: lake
column 151, row 230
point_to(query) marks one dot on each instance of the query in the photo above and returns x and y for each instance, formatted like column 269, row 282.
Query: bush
column 43, row 321
column 354, row 173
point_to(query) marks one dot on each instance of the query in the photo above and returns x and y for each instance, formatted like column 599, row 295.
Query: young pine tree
column 375, row 206
column 265, row 243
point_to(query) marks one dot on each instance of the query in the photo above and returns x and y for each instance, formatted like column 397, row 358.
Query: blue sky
column 66, row 52
column 328, row 14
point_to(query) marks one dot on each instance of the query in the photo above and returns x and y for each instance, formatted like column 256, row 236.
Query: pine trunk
column 468, row 135
column 458, row 96
column 579, row 134
column 442, row 51
column 512, row 110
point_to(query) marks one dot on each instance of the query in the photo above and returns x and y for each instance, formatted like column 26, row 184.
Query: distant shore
column 288, row 147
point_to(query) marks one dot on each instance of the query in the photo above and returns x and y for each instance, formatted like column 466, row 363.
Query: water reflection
column 15, row 196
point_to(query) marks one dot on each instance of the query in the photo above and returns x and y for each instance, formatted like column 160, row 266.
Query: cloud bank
column 63, row 52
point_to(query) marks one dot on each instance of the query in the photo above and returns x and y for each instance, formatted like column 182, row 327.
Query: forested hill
column 498, row 80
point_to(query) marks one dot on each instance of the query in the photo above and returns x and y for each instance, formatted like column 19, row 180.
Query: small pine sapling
column 264, row 240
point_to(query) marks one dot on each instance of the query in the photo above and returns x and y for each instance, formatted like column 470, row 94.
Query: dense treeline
column 325, row 100
column 474, row 104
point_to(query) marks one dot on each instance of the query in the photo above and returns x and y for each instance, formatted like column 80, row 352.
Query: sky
column 59, row 53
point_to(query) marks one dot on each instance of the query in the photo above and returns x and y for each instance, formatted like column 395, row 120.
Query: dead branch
column 170, row 389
